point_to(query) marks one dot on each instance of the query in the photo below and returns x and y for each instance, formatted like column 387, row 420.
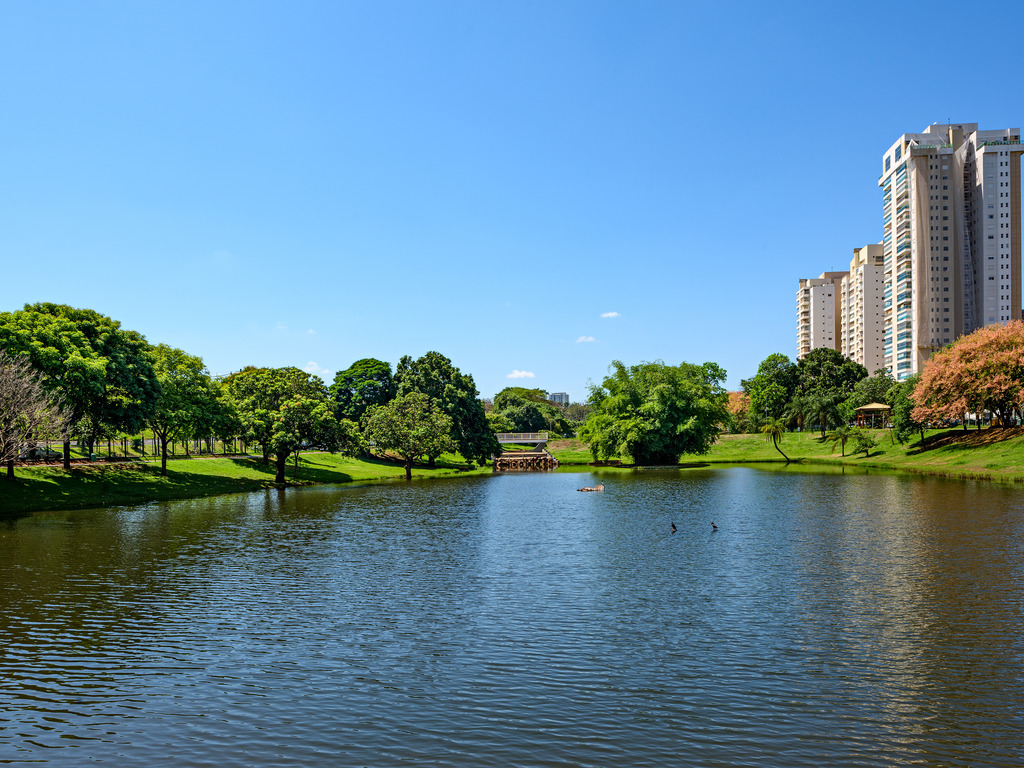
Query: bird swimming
column 713, row 526
column 673, row 527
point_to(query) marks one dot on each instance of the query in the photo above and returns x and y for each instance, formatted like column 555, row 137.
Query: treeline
column 69, row 373
column 979, row 374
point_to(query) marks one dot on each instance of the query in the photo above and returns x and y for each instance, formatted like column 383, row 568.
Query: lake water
column 867, row 620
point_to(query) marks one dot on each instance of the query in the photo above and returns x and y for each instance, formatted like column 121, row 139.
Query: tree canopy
column 412, row 425
column 983, row 371
column 770, row 390
column 825, row 370
column 454, row 394
column 103, row 373
column 653, row 412
column 283, row 410
column 365, row 383
column 187, row 401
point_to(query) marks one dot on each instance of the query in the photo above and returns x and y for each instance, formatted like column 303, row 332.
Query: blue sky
column 526, row 187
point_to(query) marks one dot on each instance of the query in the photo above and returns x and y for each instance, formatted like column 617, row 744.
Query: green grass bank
column 87, row 486
column 987, row 454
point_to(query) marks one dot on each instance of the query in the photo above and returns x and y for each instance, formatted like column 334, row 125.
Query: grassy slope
column 996, row 454
column 102, row 485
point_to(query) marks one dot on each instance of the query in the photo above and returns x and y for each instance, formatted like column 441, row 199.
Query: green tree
column 365, row 383
column 654, row 412
column 454, row 394
column 798, row 409
column 412, row 425
column 862, row 441
column 102, row 372
column 513, row 396
column 904, row 425
column 771, row 389
column 824, row 407
column 825, row 370
column 841, row 435
column 283, row 410
column 187, row 399
column 775, row 430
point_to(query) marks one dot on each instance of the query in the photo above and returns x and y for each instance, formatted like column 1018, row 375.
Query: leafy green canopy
column 412, row 425
column 455, row 395
column 103, row 373
column 365, row 383
column 188, row 404
column 654, row 412
column 284, row 410
column 771, row 389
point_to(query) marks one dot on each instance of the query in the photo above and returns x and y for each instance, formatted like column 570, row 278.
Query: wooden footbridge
column 535, row 459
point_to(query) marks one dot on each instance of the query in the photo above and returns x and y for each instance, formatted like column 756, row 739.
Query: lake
column 832, row 619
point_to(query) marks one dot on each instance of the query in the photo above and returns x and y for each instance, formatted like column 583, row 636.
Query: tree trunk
column 432, row 463
column 295, row 471
column 10, row 469
column 282, row 462
column 776, row 444
column 408, row 469
column 163, row 458
column 67, row 453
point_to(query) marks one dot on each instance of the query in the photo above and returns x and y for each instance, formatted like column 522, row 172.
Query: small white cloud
column 520, row 375
column 282, row 327
column 610, row 314
column 582, row 339
column 312, row 367
column 310, row 331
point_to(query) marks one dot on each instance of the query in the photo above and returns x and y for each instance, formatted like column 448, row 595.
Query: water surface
column 511, row 621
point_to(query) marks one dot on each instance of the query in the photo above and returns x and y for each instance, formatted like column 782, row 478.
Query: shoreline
column 994, row 455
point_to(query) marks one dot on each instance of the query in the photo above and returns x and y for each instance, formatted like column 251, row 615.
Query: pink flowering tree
column 978, row 372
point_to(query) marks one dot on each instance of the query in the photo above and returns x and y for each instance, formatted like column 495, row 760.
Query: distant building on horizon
column 817, row 312
column 949, row 261
column 951, row 238
column 561, row 398
column 861, row 329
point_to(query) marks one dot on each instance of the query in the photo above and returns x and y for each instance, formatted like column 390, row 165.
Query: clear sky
column 533, row 189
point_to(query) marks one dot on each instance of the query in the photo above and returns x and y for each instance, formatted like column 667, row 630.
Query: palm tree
column 826, row 407
column 840, row 435
column 797, row 410
column 773, row 430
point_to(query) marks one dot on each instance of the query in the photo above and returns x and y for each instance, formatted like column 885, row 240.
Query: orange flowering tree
column 979, row 372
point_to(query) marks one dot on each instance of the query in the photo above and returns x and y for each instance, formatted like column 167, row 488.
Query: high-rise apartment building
column 951, row 238
column 861, row 328
column 817, row 312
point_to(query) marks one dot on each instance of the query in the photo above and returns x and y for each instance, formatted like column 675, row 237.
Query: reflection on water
column 831, row 619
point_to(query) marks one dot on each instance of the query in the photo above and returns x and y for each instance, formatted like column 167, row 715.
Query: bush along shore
column 93, row 485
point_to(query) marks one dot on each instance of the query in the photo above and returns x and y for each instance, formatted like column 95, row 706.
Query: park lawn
column 106, row 485
column 994, row 453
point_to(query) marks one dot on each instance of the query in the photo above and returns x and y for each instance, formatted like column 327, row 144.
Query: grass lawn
column 105, row 485
column 994, row 454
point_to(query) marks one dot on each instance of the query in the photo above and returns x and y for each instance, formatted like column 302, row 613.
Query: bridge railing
column 522, row 437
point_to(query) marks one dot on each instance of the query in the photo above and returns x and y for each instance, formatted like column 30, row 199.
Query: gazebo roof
column 874, row 407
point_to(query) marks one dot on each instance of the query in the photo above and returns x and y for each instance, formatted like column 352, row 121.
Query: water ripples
column 511, row 621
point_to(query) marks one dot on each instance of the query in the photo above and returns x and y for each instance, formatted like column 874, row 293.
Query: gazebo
column 870, row 410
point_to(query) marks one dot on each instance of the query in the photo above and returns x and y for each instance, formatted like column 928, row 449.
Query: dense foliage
column 983, row 371
column 454, row 394
column 412, row 425
column 653, row 412
column 363, row 384
column 103, row 373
